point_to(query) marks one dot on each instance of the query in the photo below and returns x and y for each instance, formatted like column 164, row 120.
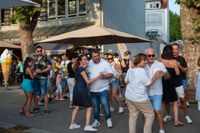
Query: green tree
column 195, row 5
column 190, row 30
column 27, row 18
column 175, row 26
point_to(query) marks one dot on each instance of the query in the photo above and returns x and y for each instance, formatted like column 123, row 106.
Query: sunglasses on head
column 153, row 55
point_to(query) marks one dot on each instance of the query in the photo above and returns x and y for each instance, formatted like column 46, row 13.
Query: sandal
column 178, row 123
column 29, row 114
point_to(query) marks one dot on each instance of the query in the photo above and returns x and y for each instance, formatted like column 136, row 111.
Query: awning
column 55, row 48
column 94, row 35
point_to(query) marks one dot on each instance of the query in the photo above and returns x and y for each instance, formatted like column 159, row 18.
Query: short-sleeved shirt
column 156, row 88
column 136, row 89
column 94, row 70
column 42, row 64
column 20, row 66
column 183, row 63
column 63, row 66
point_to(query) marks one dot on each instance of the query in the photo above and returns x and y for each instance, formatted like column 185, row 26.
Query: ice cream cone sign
column 6, row 62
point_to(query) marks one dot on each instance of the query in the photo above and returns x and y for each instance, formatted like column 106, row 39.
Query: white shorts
column 180, row 91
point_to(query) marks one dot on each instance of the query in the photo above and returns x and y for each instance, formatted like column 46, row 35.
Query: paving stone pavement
column 59, row 118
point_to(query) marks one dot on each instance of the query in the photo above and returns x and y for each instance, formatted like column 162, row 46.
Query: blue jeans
column 97, row 98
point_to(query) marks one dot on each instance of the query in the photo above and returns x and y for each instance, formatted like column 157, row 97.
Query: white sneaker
column 112, row 109
column 189, row 120
column 161, row 131
column 121, row 110
column 96, row 123
column 90, row 128
column 167, row 118
column 109, row 123
column 74, row 126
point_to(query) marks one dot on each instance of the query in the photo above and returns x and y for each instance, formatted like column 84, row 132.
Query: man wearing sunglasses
column 42, row 67
column 156, row 90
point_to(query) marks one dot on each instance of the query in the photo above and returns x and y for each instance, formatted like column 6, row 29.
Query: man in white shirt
column 155, row 92
column 99, row 88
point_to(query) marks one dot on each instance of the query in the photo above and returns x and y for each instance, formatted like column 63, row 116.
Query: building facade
column 157, row 20
column 60, row 16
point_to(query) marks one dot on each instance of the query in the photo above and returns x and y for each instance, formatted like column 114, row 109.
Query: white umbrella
column 95, row 35
column 15, row 3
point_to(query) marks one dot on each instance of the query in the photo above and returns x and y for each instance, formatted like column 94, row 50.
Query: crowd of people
column 93, row 84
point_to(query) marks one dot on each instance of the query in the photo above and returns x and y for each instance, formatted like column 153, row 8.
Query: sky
column 174, row 7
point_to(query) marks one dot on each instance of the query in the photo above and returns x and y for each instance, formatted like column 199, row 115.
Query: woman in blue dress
column 80, row 95
column 27, row 87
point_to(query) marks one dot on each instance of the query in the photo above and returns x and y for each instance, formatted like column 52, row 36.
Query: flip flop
column 178, row 123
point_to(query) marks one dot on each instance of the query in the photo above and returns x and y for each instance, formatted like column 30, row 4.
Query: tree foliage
column 175, row 26
column 194, row 4
column 27, row 14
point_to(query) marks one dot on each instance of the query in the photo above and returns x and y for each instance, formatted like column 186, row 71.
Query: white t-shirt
column 63, row 67
column 156, row 88
column 64, row 63
column 94, row 70
column 136, row 89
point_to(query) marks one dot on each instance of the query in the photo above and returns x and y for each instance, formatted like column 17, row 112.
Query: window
column 154, row 19
column 154, row 5
column 71, row 7
column 52, row 8
column 5, row 16
column 61, row 7
column 82, row 6
column 66, row 8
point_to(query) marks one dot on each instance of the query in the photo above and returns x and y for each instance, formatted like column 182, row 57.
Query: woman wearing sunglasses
column 115, row 84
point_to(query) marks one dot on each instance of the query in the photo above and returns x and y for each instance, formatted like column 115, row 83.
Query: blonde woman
column 115, row 84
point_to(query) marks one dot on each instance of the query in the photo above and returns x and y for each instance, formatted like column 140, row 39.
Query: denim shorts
column 115, row 83
column 40, row 87
column 156, row 102
column 36, row 89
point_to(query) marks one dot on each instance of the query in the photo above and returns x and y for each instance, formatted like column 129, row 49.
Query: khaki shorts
column 180, row 91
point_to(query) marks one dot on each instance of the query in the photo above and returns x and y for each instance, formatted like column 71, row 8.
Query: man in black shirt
column 183, row 70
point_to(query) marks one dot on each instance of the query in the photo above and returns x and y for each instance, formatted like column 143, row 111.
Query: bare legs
column 27, row 104
column 88, row 115
column 175, row 110
column 113, row 95
column 159, row 118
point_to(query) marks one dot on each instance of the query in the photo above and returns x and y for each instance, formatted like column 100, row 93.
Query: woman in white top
column 115, row 83
column 136, row 94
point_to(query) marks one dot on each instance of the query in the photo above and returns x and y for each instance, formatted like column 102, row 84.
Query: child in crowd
column 59, row 86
